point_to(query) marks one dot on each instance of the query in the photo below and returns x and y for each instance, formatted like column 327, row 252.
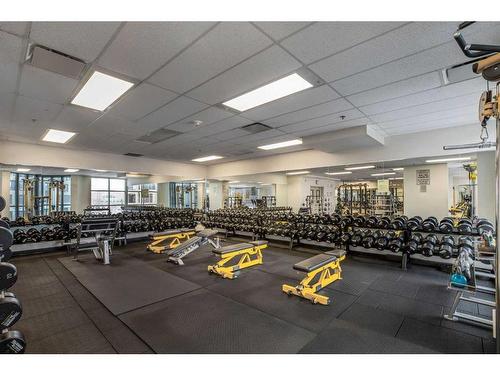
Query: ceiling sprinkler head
column 342, row 117
column 197, row 123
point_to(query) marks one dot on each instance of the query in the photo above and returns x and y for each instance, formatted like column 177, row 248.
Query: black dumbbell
column 484, row 225
column 414, row 223
column 398, row 223
column 446, row 247
column 446, row 225
column 412, row 246
column 464, row 226
column 428, row 245
column 430, row 224
column 396, row 244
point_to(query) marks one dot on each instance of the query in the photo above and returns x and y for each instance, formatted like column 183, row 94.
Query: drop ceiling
column 387, row 74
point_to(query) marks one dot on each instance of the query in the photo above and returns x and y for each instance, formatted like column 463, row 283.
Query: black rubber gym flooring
column 142, row 304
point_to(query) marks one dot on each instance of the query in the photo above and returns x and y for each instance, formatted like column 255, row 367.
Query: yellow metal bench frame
column 157, row 246
column 248, row 257
column 307, row 289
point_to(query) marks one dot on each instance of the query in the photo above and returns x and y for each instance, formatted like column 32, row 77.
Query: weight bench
column 176, row 237
column 103, row 231
column 327, row 266
column 201, row 238
column 245, row 254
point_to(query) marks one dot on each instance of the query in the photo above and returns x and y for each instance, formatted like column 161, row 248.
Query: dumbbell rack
column 480, row 254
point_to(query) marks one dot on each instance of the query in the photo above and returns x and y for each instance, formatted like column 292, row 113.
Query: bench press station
column 201, row 238
column 327, row 266
column 247, row 254
column 176, row 237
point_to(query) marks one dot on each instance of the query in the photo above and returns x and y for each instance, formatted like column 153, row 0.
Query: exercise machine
column 103, row 233
column 237, row 257
column 176, row 237
column 206, row 236
column 321, row 270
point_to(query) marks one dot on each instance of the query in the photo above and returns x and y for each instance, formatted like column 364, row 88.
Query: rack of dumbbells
column 53, row 232
column 11, row 341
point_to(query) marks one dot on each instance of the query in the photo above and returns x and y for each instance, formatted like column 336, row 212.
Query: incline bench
column 327, row 266
column 246, row 255
column 201, row 238
column 175, row 236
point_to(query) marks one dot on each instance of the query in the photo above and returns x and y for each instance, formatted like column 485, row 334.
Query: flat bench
column 236, row 257
column 327, row 266
column 185, row 248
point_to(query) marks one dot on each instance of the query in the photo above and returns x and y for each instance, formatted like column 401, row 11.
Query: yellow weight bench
column 322, row 270
column 236, row 257
column 176, row 237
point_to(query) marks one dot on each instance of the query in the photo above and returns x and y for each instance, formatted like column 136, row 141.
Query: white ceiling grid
column 382, row 73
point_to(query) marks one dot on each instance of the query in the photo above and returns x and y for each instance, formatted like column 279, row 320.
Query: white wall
column 5, row 192
column 281, row 195
column 215, row 195
column 486, row 185
column 80, row 193
column 163, row 194
column 299, row 187
column 434, row 202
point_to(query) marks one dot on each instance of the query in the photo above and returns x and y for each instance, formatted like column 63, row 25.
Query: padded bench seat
column 232, row 248
column 207, row 233
column 338, row 253
column 168, row 232
column 311, row 264
column 189, row 242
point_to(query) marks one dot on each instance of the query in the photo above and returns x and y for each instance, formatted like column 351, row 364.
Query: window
column 143, row 194
column 41, row 189
column 108, row 192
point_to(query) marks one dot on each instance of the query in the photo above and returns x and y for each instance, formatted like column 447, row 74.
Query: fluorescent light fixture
column 23, row 169
column 398, row 169
column 384, row 174
column 100, row 170
column 207, row 158
column 234, row 182
column 298, row 172
column 358, row 168
column 448, row 159
column 336, row 173
column 57, row 136
column 293, row 142
column 396, row 178
column 278, row 89
column 71, row 170
column 100, row 91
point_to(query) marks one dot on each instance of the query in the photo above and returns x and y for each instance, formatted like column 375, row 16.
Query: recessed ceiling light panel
column 297, row 173
column 359, row 168
column 337, row 173
column 100, row 91
column 71, row 170
column 57, row 136
column 272, row 146
column 207, row 158
column 383, row 174
column 278, row 89
column 448, row 159
column 23, row 169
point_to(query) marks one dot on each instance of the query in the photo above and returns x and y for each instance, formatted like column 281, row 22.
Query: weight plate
column 8, row 275
column 10, row 312
column 4, row 224
column 12, row 342
column 5, row 255
column 3, row 203
column 6, row 238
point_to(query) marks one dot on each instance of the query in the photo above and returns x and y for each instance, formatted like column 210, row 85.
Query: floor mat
column 127, row 283
column 205, row 322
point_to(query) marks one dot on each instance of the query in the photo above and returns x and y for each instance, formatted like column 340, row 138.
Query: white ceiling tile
column 45, row 85
column 28, row 109
column 469, row 101
column 398, row 89
column 292, row 102
column 280, row 30
column 401, row 42
column 467, row 111
column 109, row 124
column 140, row 101
column 75, row 118
column 262, row 68
column 18, row 28
column 449, row 91
column 432, row 125
column 330, row 127
column 251, row 139
column 208, row 116
column 350, row 114
column 326, row 38
column 7, row 102
column 433, row 59
column 222, row 126
column 319, row 110
column 174, row 111
column 230, row 134
column 223, row 47
column 10, row 56
column 140, row 48
column 84, row 40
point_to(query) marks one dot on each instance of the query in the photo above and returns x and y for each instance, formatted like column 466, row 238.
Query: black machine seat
column 314, row 263
column 231, row 248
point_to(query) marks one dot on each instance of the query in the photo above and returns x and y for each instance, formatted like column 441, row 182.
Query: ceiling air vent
column 54, row 61
column 157, row 136
column 256, row 127
column 133, row 154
